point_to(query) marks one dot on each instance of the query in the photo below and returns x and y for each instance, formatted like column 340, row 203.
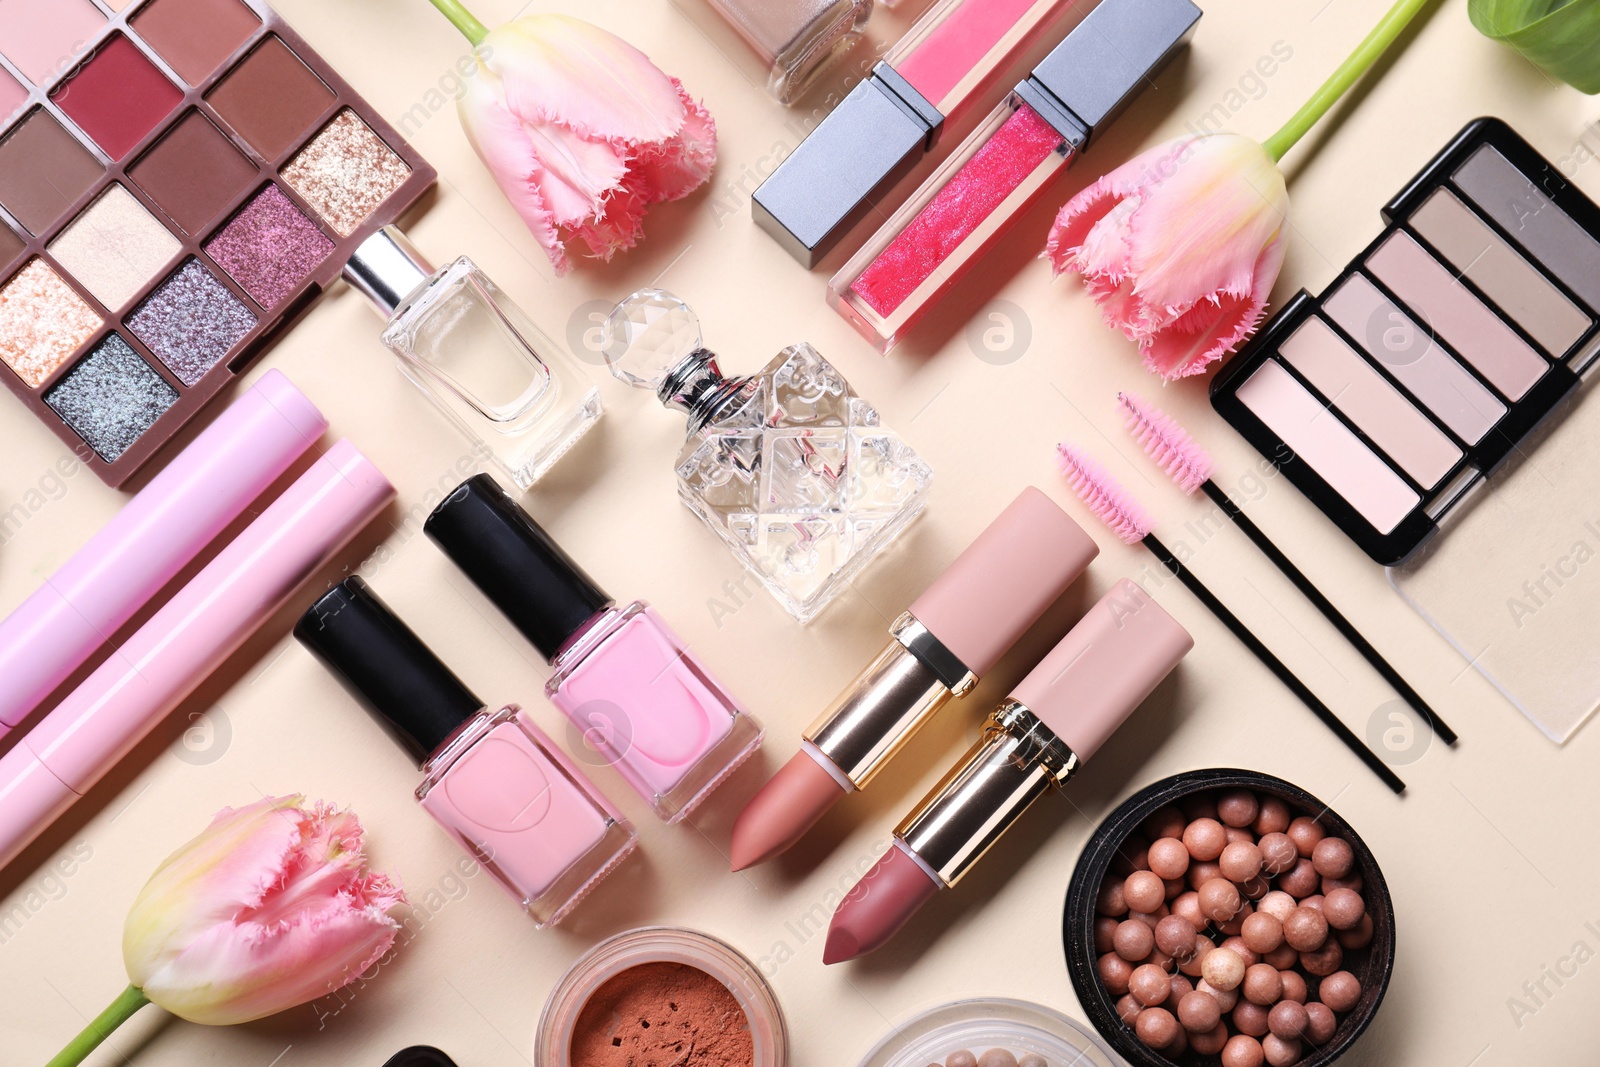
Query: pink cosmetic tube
column 953, row 634
column 189, row 637
column 1055, row 719
column 160, row 531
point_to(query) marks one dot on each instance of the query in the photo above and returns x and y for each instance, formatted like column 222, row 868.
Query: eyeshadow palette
column 179, row 181
column 1437, row 352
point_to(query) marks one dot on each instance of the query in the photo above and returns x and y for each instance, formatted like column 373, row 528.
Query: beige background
column 1490, row 855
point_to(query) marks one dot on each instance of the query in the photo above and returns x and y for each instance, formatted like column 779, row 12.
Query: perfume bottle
column 798, row 39
column 477, row 356
column 491, row 778
column 793, row 470
column 639, row 698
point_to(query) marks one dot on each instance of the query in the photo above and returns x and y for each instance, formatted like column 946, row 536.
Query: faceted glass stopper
column 648, row 335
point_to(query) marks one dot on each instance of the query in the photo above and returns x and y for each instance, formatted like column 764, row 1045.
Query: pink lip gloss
column 624, row 679
column 1006, row 163
column 491, row 778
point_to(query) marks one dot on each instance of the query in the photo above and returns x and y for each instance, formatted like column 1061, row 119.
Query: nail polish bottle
column 795, row 473
column 491, row 778
column 631, row 687
column 476, row 355
column 798, row 39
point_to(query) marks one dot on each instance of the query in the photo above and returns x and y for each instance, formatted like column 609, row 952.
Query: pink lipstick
column 1055, row 720
column 954, row 633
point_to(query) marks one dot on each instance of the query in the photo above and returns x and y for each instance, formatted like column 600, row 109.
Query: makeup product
column 627, row 683
column 795, row 473
column 1436, row 352
column 945, row 64
column 1125, row 518
column 646, row 995
column 1056, row 718
column 477, row 355
column 1335, row 988
column 1410, row 402
column 1189, row 466
column 950, row 637
column 797, row 39
column 1006, row 164
column 204, row 623
column 159, row 532
column 490, row 777
column 419, row 1056
column 962, row 1032
column 183, row 180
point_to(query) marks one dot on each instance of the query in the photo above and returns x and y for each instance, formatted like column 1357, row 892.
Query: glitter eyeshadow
column 111, row 398
column 115, row 247
column 270, row 247
column 346, row 173
column 43, row 321
column 191, row 322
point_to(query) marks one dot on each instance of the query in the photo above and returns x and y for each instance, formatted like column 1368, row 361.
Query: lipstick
column 942, row 66
column 1055, row 720
column 954, row 633
column 1006, row 164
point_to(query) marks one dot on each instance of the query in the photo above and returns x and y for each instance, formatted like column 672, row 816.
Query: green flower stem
column 120, row 1011
column 1377, row 42
column 463, row 20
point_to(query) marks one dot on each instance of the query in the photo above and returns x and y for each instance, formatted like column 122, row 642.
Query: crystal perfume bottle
column 793, row 470
column 477, row 355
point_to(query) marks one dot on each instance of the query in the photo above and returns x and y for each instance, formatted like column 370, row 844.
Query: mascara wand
column 1189, row 465
column 1125, row 518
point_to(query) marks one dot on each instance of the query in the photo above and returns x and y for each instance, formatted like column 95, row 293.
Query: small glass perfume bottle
column 793, row 470
column 641, row 700
column 477, row 355
column 798, row 39
column 492, row 779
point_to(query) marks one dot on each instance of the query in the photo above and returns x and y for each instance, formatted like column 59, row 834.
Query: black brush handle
column 1274, row 664
column 1329, row 612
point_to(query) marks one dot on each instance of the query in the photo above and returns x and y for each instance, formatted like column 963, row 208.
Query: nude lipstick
column 954, row 633
column 1006, row 164
column 932, row 76
column 1055, row 719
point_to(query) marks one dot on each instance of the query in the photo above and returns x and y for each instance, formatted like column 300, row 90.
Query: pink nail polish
column 641, row 701
column 492, row 779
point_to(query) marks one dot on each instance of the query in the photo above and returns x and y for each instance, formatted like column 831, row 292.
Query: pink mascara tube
column 193, row 633
column 159, row 532
column 1055, row 719
column 1007, row 162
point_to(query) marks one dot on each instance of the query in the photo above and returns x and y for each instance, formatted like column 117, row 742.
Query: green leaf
column 1562, row 36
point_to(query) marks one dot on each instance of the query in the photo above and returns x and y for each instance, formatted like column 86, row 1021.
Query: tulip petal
column 1211, row 331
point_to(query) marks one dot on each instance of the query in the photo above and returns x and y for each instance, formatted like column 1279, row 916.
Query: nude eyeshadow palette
column 179, row 181
column 1437, row 351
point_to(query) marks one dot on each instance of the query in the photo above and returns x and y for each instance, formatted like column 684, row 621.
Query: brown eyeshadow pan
column 43, row 170
column 194, row 173
column 271, row 99
column 195, row 36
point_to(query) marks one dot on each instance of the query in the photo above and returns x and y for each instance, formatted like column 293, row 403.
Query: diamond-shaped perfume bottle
column 789, row 466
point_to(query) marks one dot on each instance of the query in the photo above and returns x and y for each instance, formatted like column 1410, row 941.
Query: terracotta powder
column 662, row 1015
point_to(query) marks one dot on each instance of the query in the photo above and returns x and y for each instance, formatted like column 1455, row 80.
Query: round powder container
column 979, row 1025
column 642, row 991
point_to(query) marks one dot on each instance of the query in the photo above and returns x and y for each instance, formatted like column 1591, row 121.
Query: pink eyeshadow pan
column 269, row 248
column 12, row 95
column 45, row 37
column 1014, row 152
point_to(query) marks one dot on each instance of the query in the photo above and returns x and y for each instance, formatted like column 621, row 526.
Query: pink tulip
column 271, row 906
column 582, row 132
column 1179, row 247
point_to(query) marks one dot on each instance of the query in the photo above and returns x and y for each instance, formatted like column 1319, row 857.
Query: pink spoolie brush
column 1114, row 506
column 1189, row 465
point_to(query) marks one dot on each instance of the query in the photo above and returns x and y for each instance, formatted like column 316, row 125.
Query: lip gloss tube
column 1035, row 741
column 947, row 62
column 1006, row 164
column 953, row 634
column 622, row 677
column 490, row 778
column 156, row 534
column 189, row 637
